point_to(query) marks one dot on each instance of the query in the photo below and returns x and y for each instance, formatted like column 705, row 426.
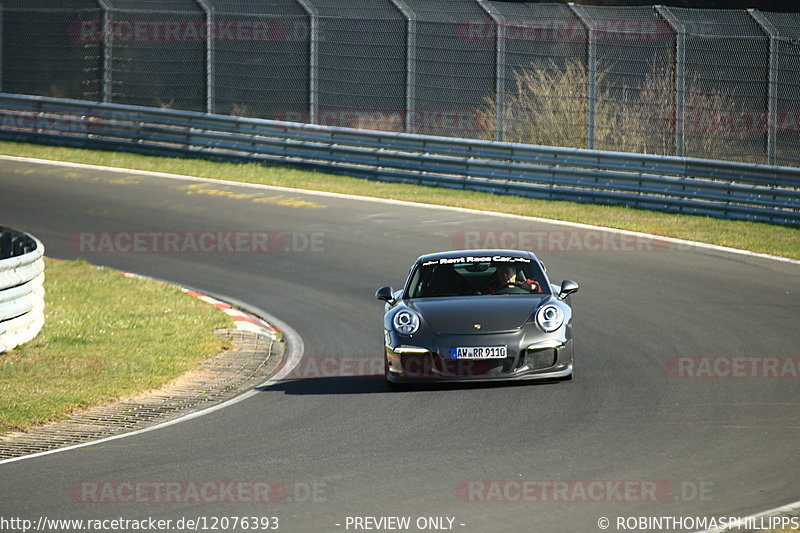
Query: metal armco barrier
column 720, row 189
column 21, row 288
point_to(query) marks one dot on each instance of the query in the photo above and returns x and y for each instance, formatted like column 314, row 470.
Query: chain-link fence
column 704, row 83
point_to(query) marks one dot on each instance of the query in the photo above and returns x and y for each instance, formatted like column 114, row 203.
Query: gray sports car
column 478, row 315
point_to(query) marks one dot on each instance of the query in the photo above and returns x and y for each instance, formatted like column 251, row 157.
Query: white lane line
column 295, row 349
column 307, row 192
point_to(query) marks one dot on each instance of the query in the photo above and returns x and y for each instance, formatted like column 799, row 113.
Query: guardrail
column 720, row 189
column 21, row 288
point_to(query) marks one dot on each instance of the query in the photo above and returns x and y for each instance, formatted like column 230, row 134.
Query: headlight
column 406, row 322
column 549, row 318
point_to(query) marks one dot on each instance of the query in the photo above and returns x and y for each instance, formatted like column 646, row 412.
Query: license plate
column 478, row 352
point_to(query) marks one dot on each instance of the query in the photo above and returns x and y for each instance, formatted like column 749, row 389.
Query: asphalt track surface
column 345, row 446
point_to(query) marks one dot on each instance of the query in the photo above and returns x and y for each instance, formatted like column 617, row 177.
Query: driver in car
column 506, row 277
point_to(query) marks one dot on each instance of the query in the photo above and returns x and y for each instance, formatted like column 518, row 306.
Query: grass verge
column 106, row 337
column 758, row 237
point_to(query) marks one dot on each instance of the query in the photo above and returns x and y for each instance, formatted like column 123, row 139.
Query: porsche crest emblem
column 476, row 326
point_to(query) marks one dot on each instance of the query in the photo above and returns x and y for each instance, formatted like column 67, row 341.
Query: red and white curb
column 241, row 319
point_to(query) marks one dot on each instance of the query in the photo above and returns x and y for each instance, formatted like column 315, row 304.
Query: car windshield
column 471, row 276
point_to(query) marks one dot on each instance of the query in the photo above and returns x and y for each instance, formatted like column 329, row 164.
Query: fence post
column 680, row 77
column 772, row 89
column 108, row 36
column 500, row 66
column 209, row 13
column 313, row 60
column 411, row 60
column 2, row 12
column 591, row 71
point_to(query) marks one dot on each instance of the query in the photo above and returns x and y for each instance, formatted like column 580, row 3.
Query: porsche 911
column 478, row 315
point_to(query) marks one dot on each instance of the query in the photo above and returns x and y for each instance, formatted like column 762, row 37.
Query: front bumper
column 527, row 359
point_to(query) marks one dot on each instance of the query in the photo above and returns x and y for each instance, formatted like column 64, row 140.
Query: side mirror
column 385, row 294
column 567, row 287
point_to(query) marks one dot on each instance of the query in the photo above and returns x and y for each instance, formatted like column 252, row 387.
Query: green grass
column 106, row 337
column 758, row 237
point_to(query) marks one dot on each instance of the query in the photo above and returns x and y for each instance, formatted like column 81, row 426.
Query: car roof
column 491, row 252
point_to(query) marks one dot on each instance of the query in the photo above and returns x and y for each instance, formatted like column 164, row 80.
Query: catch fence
column 721, row 84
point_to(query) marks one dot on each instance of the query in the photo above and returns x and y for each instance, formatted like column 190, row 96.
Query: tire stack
column 21, row 288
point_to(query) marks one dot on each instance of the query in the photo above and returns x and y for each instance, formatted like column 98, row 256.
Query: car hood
column 495, row 313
